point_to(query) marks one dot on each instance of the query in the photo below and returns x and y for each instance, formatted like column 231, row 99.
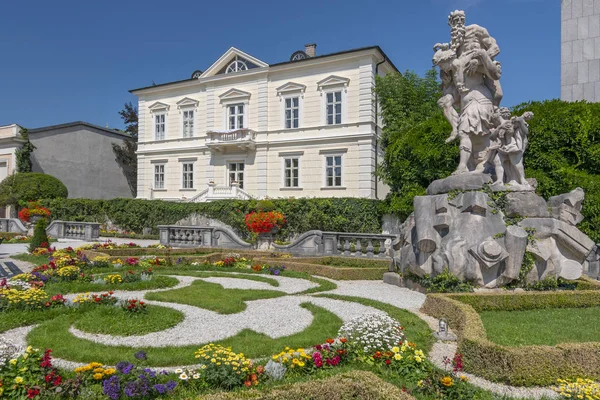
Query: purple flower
column 171, row 385
column 124, row 367
column 160, row 388
column 164, row 372
column 150, row 373
column 112, row 388
column 131, row 389
column 141, row 355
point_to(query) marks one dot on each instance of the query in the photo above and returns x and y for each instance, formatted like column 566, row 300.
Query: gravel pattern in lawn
column 275, row 318
column 378, row 290
column 286, row 285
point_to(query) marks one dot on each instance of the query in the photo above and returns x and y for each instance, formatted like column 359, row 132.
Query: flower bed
column 336, row 273
column 33, row 209
column 521, row 366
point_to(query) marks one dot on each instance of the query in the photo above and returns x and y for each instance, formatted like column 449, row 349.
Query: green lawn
column 157, row 282
column 36, row 260
column 118, row 322
column 55, row 335
column 212, row 296
column 542, row 326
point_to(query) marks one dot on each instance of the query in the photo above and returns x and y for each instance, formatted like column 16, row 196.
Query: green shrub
column 337, row 273
column 265, row 205
column 302, row 215
column 351, row 385
column 30, row 186
column 520, row 366
column 445, row 282
column 39, row 235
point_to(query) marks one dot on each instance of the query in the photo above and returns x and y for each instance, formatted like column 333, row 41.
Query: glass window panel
column 240, row 109
column 295, row 101
column 338, row 96
column 329, row 97
column 241, row 166
column 240, row 122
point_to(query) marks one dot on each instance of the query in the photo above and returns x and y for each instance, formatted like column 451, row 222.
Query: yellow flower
column 13, row 361
column 418, row 359
column 99, row 370
column 420, row 383
column 447, row 381
column 29, row 349
column 109, row 371
column 397, row 357
column 464, row 378
column 396, row 349
column 98, row 376
column 18, row 380
column 203, row 366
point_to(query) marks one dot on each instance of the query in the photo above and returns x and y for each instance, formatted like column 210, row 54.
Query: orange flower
column 260, row 369
column 248, row 383
column 330, row 341
column 343, row 340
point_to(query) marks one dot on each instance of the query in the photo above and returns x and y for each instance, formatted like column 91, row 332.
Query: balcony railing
column 241, row 138
column 214, row 192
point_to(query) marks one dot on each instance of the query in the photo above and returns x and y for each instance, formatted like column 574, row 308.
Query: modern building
column 580, row 50
column 78, row 153
column 307, row 127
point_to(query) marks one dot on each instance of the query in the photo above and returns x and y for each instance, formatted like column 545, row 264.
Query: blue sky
column 65, row 61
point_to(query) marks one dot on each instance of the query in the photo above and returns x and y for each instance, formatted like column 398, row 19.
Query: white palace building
column 307, row 127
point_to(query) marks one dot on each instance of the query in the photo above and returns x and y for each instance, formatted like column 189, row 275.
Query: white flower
column 196, row 376
column 183, row 377
column 178, row 371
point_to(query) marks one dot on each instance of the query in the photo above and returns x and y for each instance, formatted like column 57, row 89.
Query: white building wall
column 354, row 138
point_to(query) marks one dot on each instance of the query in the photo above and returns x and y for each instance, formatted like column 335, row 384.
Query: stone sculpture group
column 481, row 222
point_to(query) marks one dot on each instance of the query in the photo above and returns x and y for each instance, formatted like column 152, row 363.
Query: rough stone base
column 392, row 278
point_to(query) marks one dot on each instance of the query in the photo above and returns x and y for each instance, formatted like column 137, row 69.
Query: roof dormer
column 233, row 61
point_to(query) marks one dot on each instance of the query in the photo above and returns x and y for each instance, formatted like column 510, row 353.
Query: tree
column 413, row 137
column 30, row 186
column 125, row 152
column 23, row 154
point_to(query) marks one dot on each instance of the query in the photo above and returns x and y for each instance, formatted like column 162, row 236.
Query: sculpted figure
column 470, row 82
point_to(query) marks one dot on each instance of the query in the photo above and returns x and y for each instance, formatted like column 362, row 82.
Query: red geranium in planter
column 264, row 222
column 33, row 209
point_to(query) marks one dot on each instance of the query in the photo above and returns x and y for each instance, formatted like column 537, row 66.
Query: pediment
column 158, row 106
column 291, row 87
column 234, row 94
column 187, row 102
column 229, row 56
column 333, row 80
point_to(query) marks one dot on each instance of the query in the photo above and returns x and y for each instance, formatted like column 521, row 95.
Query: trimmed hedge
column 30, row 186
column 351, row 385
column 337, row 273
column 520, row 366
column 302, row 215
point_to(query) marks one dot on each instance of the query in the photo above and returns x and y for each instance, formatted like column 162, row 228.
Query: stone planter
column 265, row 240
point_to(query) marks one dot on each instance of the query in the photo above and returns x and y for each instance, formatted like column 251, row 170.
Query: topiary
column 29, row 186
column 40, row 238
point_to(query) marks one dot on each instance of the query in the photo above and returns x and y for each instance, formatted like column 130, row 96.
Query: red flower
column 31, row 393
column 387, row 362
column 343, row 340
column 57, row 381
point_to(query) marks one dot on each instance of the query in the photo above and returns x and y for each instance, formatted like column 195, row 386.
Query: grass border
column 524, row 365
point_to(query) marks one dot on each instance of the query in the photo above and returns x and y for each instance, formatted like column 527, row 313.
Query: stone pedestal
column 265, row 241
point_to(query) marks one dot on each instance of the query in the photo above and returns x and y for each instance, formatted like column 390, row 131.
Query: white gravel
column 286, row 285
column 380, row 291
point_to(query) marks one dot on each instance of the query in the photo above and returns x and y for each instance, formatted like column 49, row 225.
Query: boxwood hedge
column 327, row 214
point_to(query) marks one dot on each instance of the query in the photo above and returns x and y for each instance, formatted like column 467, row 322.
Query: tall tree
column 23, row 154
column 125, row 152
column 413, row 137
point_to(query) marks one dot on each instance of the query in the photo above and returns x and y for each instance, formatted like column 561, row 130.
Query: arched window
column 236, row 66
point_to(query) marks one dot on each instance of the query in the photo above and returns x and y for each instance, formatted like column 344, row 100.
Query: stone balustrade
column 88, row 231
column 319, row 243
column 200, row 236
column 12, row 225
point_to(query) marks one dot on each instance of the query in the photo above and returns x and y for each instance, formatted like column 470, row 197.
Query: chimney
column 310, row 49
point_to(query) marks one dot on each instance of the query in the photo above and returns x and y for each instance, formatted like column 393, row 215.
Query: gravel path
column 286, row 285
column 379, row 291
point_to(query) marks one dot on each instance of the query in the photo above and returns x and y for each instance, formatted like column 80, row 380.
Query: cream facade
column 243, row 128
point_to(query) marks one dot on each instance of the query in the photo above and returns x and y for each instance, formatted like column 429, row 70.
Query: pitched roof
column 288, row 62
column 79, row 123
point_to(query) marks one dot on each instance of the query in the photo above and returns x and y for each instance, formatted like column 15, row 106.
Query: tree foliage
column 23, row 154
column 413, row 137
column 125, row 151
column 30, row 186
column 563, row 152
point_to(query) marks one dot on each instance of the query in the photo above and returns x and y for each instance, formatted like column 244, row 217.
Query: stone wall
column 580, row 50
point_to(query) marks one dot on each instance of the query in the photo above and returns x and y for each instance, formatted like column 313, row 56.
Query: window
column 188, row 175
column 334, row 108
column 159, row 127
column 292, row 112
column 291, row 171
column 236, row 66
column 236, row 116
column 159, row 176
column 236, row 173
column 333, row 171
column 188, row 123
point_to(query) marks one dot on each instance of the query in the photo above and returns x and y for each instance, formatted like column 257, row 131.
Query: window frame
column 183, row 121
column 228, row 171
column 342, row 174
column 184, row 181
column 155, row 116
column 284, row 168
column 237, row 116
column 335, row 102
column 299, row 107
column 156, row 165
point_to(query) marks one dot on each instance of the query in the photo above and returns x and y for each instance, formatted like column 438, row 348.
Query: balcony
column 243, row 139
column 214, row 192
